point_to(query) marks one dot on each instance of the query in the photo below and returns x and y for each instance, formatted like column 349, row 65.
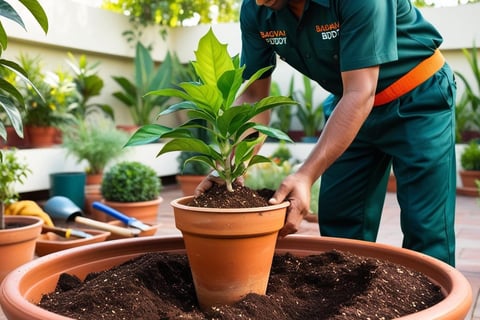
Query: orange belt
column 411, row 79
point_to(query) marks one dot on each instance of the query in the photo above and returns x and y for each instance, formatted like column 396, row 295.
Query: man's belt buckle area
column 412, row 79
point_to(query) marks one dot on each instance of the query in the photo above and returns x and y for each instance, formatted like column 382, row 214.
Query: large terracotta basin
column 23, row 288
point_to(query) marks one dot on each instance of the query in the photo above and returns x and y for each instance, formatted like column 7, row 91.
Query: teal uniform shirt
column 338, row 35
column 413, row 134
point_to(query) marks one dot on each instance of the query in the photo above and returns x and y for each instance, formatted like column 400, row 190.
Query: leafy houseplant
column 96, row 142
column 10, row 96
column 146, row 79
column 467, row 114
column 130, row 186
column 217, row 239
column 88, row 85
column 309, row 114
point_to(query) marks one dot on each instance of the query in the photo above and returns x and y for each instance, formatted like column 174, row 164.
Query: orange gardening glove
column 28, row 208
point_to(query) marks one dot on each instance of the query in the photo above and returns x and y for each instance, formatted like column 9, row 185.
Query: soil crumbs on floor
column 330, row 285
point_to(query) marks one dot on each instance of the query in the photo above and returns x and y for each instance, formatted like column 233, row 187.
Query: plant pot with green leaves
column 133, row 188
column 18, row 234
column 96, row 142
column 218, row 238
column 470, row 171
column 49, row 103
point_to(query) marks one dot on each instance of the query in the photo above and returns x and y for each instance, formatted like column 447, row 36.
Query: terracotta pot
column 40, row 137
column 469, row 188
column 217, row 240
column 23, row 288
column 17, row 245
column 13, row 140
column 49, row 242
column 95, row 179
column 143, row 211
column 93, row 193
column 188, row 183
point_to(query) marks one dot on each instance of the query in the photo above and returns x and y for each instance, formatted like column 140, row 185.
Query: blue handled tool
column 129, row 221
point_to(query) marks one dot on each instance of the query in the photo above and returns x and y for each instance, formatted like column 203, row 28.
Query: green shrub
column 130, row 181
column 470, row 158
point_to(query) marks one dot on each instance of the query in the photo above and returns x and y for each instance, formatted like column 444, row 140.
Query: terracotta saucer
column 50, row 242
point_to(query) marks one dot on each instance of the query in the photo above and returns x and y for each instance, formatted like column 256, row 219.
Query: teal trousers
column 415, row 135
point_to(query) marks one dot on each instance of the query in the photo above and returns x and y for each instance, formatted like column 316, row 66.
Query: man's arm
column 339, row 132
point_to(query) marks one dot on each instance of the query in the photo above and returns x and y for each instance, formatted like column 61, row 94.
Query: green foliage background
column 173, row 13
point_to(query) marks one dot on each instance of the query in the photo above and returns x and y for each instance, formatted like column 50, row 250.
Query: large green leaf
column 38, row 13
column 212, row 59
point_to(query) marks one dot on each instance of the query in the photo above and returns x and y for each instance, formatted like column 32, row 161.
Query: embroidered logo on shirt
column 274, row 37
column 329, row 30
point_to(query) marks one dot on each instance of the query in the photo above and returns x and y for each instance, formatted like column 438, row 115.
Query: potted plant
column 96, row 142
column 470, row 171
column 17, row 233
column 309, row 114
column 212, row 234
column 147, row 78
column 49, row 102
column 132, row 188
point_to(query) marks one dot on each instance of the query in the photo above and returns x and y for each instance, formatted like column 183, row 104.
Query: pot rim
column 180, row 203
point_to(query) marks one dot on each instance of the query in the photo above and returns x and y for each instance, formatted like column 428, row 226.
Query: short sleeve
column 256, row 53
column 368, row 33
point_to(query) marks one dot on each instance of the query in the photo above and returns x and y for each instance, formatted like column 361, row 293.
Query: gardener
column 394, row 104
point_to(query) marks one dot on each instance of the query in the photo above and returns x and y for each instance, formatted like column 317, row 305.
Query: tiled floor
column 467, row 229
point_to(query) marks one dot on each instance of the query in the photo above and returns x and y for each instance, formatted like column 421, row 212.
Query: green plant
column 467, row 109
column 212, row 99
column 12, row 170
column 10, row 97
column 50, row 97
column 147, row 78
column 470, row 157
column 88, row 85
column 97, row 143
column 310, row 115
column 130, row 181
column 282, row 114
column 174, row 13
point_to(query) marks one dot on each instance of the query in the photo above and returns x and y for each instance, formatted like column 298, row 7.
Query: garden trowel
column 129, row 221
column 63, row 208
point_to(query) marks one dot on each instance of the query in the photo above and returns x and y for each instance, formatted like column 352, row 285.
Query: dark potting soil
column 330, row 285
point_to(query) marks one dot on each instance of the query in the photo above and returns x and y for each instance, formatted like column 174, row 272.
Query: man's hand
column 296, row 189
